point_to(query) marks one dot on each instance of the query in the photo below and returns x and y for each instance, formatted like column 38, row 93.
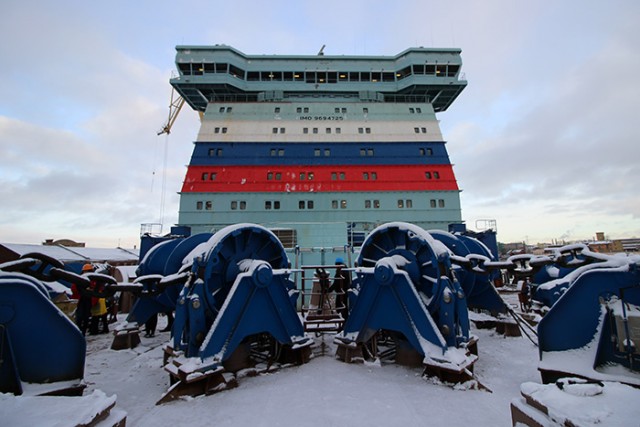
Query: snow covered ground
column 324, row 392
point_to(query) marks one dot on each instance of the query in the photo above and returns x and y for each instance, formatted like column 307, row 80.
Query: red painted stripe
column 259, row 179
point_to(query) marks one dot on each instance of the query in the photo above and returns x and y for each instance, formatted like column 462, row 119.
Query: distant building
column 74, row 256
column 606, row 246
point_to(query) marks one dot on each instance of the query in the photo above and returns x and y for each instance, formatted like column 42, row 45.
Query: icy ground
column 325, row 392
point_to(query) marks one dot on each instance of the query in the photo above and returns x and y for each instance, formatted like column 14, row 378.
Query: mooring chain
column 527, row 265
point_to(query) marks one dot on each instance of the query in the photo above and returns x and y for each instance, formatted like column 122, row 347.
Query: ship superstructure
column 320, row 149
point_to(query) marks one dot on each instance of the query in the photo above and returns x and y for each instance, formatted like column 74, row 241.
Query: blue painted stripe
column 320, row 153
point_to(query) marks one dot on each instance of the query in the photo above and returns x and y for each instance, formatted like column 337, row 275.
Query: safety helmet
column 87, row 267
column 339, row 260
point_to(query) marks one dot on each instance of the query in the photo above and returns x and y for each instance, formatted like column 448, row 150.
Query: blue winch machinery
column 30, row 324
column 235, row 307
column 409, row 305
column 591, row 323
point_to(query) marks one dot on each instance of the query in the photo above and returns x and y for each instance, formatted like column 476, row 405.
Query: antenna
column 321, row 52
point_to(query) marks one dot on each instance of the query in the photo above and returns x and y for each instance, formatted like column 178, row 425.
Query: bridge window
column 236, row 72
column 327, row 151
column 205, row 176
column 343, row 204
column 305, row 130
column 427, row 175
column 441, row 203
column 403, row 73
column 436, row 175
column 199, row 205
column 208, row 205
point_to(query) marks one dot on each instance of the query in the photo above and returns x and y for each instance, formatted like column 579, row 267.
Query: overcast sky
column 544, row 139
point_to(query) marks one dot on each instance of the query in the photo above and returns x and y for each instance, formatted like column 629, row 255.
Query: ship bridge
column 223, row 74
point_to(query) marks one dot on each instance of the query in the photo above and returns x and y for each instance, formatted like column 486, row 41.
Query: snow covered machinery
column 593, row 329
column 236, row 313
column 408, row 305
column 42, row 352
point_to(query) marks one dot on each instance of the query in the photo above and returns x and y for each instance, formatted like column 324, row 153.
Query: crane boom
column 174, row 108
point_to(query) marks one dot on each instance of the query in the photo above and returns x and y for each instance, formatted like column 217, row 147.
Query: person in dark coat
column 341, row 284
column 83, row 309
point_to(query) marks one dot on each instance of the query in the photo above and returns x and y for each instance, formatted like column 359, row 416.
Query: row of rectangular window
column 437, row 70
column 317, row 152
column 335, row 176
column 315, row 130
column 309, row 204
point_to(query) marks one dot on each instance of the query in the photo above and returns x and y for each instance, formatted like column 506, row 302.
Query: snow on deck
column 323, row 392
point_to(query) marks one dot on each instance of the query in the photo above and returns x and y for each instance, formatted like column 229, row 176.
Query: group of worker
column 92, row 314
